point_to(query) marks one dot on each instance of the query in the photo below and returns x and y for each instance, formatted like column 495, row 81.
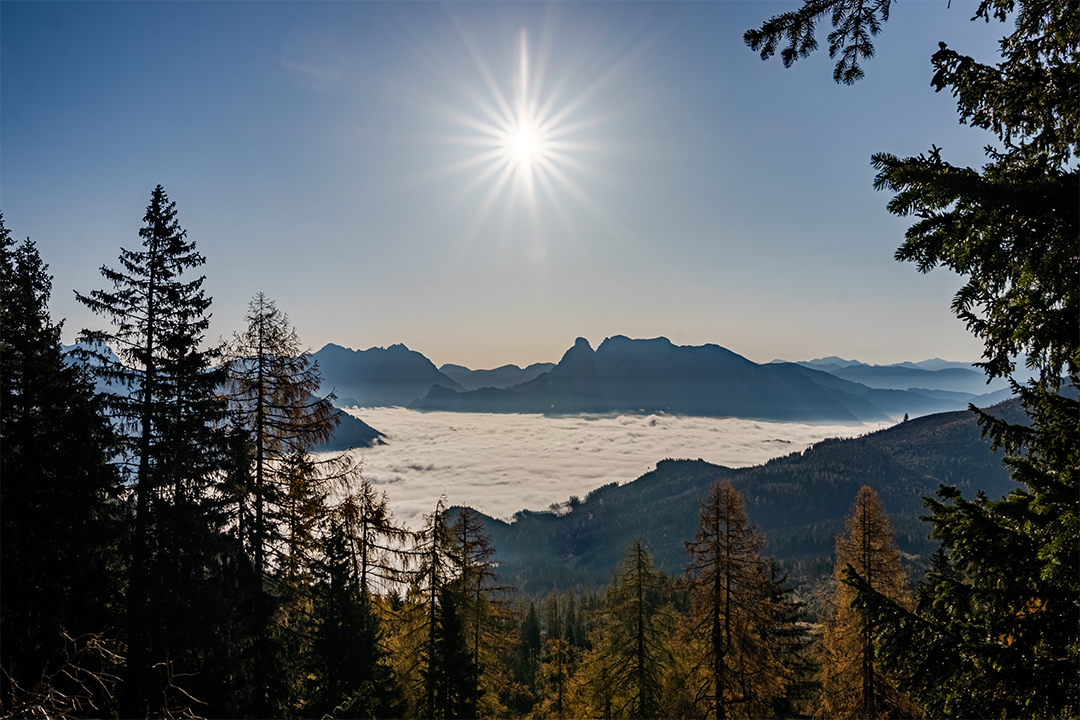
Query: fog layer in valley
column 502, row 463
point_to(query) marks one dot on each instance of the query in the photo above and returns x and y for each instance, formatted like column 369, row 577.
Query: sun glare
column 525, row 145
column 526, row 138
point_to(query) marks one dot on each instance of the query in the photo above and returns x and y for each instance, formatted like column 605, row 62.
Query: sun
column 525, row 145
column 526, row 138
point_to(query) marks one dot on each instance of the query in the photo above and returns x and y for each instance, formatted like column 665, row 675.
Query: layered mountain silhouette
column 378, row 377
column 899, row 377
column 647, row 376
column 500, row 377
column 799, row 501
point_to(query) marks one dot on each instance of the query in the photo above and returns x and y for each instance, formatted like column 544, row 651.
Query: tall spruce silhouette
column 169, row 412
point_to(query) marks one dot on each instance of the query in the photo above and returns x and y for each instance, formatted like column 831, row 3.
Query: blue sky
column 487, row 181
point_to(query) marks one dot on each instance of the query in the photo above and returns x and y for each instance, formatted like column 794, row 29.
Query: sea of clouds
column 499, row 463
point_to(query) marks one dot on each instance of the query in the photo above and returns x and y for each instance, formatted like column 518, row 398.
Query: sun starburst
column 522, row 139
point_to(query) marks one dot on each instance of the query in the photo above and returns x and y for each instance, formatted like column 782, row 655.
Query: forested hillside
column 799, row 501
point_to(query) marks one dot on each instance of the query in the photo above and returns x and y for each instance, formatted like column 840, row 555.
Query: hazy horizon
column 595, row 343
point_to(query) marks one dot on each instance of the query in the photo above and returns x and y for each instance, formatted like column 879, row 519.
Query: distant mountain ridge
column 930, row 364
column 654, row 375
column 378, row 377
column 625, row 375
column 500, row 377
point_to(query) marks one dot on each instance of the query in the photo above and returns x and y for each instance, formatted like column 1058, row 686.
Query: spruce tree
column 60, row 526
column 995, row 632
column 347, row 661
column 170, row 413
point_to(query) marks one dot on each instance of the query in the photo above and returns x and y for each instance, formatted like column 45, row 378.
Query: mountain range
column 648, row 376
column 799, row 501
column 378, row 377
column 500, row 377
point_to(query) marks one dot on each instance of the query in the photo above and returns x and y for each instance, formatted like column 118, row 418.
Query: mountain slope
column 799, row 501
column 351, row 433
column 378, row 377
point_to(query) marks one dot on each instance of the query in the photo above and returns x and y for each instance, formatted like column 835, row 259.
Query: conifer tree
column 630, row 649
column 554, row 678
column 446, row 677
column 271, row 394
column 853, row 684
column 170, row 413
column 280, row 497
column 529, row 647
column 787, row 631
column 485, row 617
column 740, row 674
column 348, row 663
column 362, row 550
column 58, row 542
column 996, row 631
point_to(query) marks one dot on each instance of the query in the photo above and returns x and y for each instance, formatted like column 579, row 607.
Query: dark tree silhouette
column 58, row 543
column 995, row 631
column 732, row 612
column 170, row 412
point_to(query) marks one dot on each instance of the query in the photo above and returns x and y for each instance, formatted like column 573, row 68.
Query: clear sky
column 487, row 181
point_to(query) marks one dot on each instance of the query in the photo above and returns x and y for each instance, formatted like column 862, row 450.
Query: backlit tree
column 995, row 633
column 170, row 412
column 739, row 673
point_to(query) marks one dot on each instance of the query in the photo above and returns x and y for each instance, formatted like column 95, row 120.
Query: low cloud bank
column 500, row 464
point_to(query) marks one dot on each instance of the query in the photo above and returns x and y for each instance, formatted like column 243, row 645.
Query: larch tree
column 170, row 413
column 272, row 384
column 440, row 661
column 485, row 617
column 739, row 673
column 853, row 685
column 281, row 495
column 995, row 631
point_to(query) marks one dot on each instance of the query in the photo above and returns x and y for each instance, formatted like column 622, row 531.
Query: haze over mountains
column 648, row 376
